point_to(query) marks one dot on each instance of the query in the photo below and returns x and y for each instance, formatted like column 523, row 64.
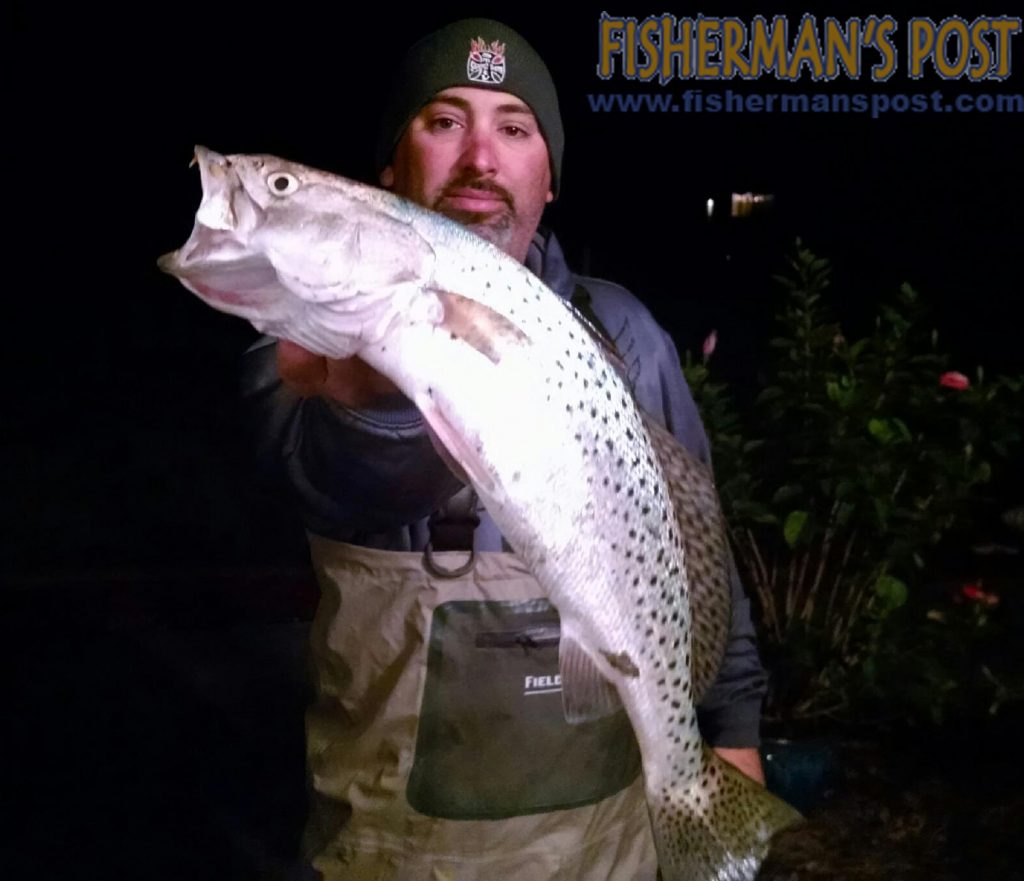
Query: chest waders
column 436, row 746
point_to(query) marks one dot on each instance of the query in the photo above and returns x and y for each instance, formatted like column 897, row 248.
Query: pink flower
column 972, row 591
column 709, row 344
column 977, row 594
column 952, row 379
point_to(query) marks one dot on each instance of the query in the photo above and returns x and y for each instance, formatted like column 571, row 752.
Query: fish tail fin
column 719, row 827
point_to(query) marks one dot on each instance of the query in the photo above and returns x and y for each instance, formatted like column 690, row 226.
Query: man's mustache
column 481, row 184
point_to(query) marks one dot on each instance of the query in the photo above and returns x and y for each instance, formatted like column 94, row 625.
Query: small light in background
column 747, row 204
column 711, row 207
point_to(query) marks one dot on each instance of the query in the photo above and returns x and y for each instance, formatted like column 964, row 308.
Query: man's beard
column 497, row 228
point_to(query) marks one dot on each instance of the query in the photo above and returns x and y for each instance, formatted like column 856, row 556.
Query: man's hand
column 747, row 760
column 349, row 381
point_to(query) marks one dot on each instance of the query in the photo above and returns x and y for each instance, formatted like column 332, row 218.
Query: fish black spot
column 636, row 583
column 646, row 509
column 654, row 578
column 620, row 463
column 593, row 410
column 632, row 533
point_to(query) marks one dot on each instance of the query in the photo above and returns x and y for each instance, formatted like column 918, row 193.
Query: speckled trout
column 610, row 514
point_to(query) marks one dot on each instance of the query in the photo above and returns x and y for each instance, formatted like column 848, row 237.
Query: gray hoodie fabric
column 372, row 477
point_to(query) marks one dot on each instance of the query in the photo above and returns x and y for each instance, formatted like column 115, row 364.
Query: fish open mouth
column 216, row 268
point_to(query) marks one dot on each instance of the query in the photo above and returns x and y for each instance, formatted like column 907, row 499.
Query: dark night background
column 127, row 493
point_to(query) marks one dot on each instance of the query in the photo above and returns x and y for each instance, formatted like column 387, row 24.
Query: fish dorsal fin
column 707, row 561
column 586, row 692
column 478, row 325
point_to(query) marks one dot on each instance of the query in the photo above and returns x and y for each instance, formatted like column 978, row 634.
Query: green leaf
column 901, row 426
column 891, row 591
column 880, row 430
column 769, row 394
column 794, row 525
column 857, row 348
column 784, row 493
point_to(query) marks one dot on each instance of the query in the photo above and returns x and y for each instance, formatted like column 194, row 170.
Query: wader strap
column 451, row 529
column 581, row 302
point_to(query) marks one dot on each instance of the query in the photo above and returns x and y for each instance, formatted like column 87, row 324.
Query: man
column 437, row 746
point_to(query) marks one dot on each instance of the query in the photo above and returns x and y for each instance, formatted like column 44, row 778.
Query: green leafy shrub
column 838, row 482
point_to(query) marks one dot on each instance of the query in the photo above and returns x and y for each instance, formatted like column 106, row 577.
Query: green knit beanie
column 480, row 53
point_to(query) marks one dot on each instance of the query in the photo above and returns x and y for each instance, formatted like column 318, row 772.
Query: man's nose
column 479, row 151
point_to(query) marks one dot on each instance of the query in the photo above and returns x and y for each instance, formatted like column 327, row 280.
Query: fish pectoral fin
column 461, row 457
column 479, row 326
column 586, row 692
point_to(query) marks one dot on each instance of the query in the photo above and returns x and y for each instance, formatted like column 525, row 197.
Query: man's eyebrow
column 462, row 104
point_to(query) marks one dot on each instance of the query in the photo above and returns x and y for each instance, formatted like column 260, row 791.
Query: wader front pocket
column 492, row 740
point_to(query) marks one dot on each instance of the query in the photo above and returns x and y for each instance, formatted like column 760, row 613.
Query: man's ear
column 387, row 178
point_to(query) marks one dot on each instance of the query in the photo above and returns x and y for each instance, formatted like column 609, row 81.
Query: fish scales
column 524, row 400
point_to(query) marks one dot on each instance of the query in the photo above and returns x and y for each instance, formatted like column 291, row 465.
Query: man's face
column 478, row 157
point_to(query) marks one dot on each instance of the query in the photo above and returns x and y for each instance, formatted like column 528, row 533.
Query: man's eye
column 516, row 131
column 443, row 124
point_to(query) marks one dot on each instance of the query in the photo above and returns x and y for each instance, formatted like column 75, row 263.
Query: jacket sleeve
column 351, row 473
column 730, row 713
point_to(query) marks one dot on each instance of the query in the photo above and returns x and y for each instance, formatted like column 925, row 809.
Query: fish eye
column 282, row 184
